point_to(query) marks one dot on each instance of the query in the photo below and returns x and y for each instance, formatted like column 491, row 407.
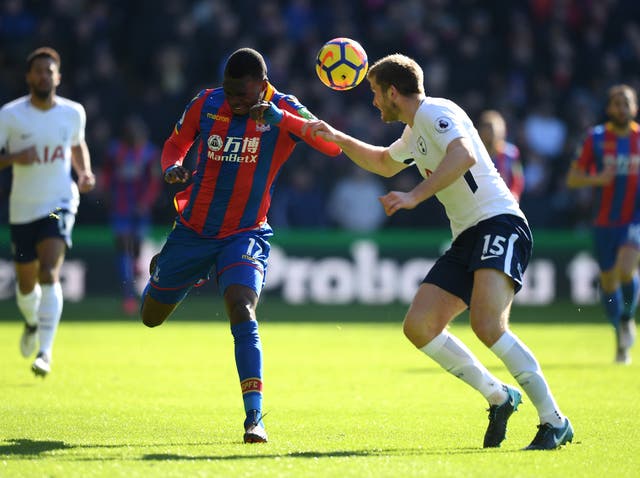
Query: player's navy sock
column 248, row 352
column 612, row 303
column 125, row 272
column 630, row 296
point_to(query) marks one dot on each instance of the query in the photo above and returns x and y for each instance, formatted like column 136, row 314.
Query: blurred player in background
column 506, row 156
column 131, row 179
column 43, row 138
column 222, row 215
column 483, row 268
column 609, row 160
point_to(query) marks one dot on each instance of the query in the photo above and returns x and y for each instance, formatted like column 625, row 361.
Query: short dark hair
column 246, row 62
column 43, row 52
column 400, row 71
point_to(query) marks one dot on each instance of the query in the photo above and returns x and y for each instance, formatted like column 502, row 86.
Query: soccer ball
column 341, row 64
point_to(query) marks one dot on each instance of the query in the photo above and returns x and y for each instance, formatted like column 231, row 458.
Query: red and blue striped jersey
column 132, row 178
column 507, row 162
column 237, row 165
column 618, row 203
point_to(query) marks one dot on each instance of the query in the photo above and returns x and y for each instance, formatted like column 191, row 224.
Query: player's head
column 134, row 130
column 399, row 71
column 622, row 105
column 391, row 76
column 491, row 127
column 245, row 79
column 43, row 72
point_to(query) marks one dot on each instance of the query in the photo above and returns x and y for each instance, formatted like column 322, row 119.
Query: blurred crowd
column 544, row 64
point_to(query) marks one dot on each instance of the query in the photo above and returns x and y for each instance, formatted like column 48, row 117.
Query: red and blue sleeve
column 294, row 119
column 586, row 159
column 184, row 134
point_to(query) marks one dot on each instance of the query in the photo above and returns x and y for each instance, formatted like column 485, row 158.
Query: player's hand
column 395, row 200
column 318, row 128
column 86, row 182
column 607, row 175
column 266, row 112
column 177, row 174
column 27, row 156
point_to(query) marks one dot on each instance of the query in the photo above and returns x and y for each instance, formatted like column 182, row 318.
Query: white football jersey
column 480, row 193
column 39, row 188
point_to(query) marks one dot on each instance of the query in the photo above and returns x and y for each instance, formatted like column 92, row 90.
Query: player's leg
column 606, row 243
column 627, row 265
column 240, row 302
column 611, row 295
column 51, row 253
column 425, row 326
column 184, row 259
column 499, row 259
column 490, row 305
column 28, row 291
column 445, row 293
column 430, row 312
column 28, row 296
column 123, row 229
column 153, row 312
column 124, row 262
column 241, row 267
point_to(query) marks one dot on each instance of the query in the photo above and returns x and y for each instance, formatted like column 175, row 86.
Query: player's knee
column 241, row 311
column 149, row 319
column 151, row 322
column 419, row 330
column 488, row 331
column 154, row 313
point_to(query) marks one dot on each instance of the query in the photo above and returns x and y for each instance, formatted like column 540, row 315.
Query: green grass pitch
column 345, row 398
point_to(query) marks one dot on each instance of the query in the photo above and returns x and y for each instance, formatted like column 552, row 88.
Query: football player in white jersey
column 482, row 270
column 42, row 138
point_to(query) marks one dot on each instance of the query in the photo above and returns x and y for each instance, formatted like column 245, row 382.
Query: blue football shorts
column 607, row 241
column 502, row 242
column 25, row 237
column 187, row 258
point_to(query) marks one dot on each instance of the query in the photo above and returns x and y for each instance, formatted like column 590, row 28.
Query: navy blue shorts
column 502, row 242
column 607, row 241
column 187, row 258
column 25, row 237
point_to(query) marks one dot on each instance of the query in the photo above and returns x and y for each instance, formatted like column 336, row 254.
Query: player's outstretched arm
column 375, row 159
column 269, row 113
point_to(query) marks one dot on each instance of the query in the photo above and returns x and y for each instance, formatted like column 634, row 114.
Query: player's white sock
column 526, row 370
column 49, row 315
column 457, row 359
column 28, row 304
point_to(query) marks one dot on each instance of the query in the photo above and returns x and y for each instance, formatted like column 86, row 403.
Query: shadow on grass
column 23, row 447
column 26, row 447
column 317, row 454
